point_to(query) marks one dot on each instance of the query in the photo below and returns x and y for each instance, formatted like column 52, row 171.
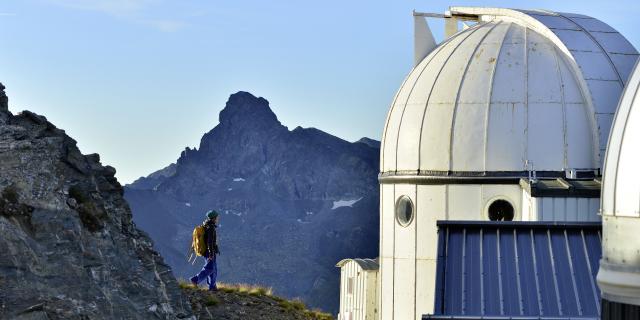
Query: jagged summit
column 243, row 107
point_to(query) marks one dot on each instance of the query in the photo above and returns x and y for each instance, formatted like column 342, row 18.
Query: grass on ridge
column 295, row 305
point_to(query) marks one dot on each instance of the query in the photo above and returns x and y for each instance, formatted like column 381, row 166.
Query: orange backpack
column 198, row 244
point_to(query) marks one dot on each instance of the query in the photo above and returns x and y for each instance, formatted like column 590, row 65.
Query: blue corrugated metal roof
column 517, row 270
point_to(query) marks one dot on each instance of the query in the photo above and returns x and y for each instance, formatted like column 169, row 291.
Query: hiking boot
column 194, row 281
column 214, row 289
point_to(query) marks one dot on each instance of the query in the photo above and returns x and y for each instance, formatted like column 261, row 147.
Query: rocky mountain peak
column 69, row 248
column 243, row 108
column 4, row 101
column 292, row 203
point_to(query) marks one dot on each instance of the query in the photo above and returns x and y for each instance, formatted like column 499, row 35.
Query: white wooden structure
column 358, row 289
column 619, row 274
column 517, row 95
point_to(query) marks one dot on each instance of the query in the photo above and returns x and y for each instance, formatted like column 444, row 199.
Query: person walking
column 210, row 269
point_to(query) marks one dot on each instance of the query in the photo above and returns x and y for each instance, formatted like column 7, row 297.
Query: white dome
column 520, row 87
column 621, row 179
column 619, row 275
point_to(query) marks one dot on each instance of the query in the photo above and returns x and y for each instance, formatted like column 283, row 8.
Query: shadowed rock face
column 292, row 203
column 68, row 246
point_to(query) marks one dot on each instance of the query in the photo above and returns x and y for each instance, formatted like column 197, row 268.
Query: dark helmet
column 212, row 214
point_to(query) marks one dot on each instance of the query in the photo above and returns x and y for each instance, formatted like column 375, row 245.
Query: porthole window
column 500, row 210
column 404, row 211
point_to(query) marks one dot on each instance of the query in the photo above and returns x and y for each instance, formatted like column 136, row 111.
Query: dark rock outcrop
column 68, row 246
column 293, row 202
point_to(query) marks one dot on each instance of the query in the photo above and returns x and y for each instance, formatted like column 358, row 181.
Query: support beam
column 423, row 41
column 450, row 26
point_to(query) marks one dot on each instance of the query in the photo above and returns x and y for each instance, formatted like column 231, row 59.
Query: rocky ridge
column 68, row 246
column 245, row 302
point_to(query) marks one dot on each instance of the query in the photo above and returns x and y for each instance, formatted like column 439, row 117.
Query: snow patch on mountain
column 344, row 203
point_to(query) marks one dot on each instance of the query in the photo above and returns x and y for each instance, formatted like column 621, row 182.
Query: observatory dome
column 621, row 181
column 619, row 275
column 524, row 90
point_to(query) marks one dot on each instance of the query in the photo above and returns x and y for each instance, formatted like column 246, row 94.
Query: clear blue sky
column 139, row 80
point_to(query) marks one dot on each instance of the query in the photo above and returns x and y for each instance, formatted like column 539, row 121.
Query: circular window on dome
column 500, row 210
column 404, row 211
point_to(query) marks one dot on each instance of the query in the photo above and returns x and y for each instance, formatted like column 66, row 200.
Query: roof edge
column 520, row 224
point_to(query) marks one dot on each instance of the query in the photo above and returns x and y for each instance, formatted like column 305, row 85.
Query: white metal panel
column 349, row 302
column 434, row 152
column 387, row 220
column 390, row 138
column 604, row 126
column 543, row 85
column 594, row 207
column 386, row 288
column 614, row 42
column 624, row 64
column 555, row 22
column 545, row 136
column 506, row 137
column 526, row 206
column 425, row 287
column 591, row 24
column 583, row 209
column 372, row 296
column 468, row 139
column 546, row 209
column 343, row 293
column 595, row 65
column 577, row 40
column 560, row 209
column 565, row 209
column 404, row 259
column 571, row 89
column 446, row 87
column 478, row 78
column 535, row 207
column 404, row 289
column 579, row 139
column 573, row 15
column 605, row 95
column 431, row 207
column 464, row 202
column 627, row 196
column 509, row 80
column 408, row 134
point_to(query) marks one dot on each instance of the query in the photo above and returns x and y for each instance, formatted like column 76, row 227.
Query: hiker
column 210, row 269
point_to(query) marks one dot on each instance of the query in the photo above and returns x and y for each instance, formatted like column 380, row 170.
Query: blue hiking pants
column 209, row 272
